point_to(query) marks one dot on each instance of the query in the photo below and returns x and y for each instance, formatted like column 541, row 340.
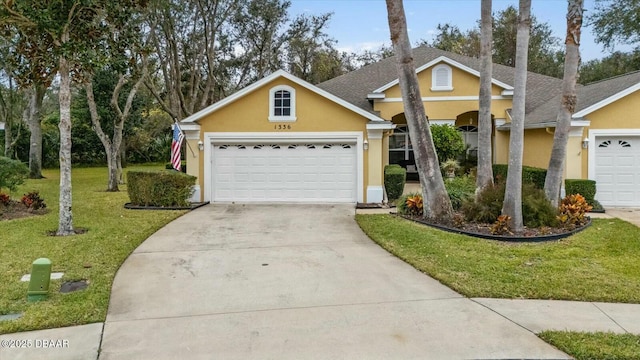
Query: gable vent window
column 282, row 104
column 441, row 78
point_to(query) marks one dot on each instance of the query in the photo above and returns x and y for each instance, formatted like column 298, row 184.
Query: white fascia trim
column 607, row 101
column 211, row 138
column 187, row 126
column 442, row 88
column 447, row 98
column 550, row 124
column 375, row 96
column 450, row 62
column 593, row 135
column 384, row 126
column 500, row 122
column 280, row 73
column 442, row 122
column 508, row 93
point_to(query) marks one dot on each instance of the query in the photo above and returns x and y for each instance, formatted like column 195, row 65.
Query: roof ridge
column 612, row 78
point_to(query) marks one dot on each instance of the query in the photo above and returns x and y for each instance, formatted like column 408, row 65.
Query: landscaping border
column 193, row 206
column 514, row 239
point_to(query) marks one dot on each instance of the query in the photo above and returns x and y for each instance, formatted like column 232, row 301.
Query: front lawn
column 112, row 234
column 591, row 346
column 597, row 264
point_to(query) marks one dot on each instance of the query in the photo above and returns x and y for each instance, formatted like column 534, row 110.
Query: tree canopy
column 545, row 53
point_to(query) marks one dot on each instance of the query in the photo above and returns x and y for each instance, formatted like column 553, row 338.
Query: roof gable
column 444, row 59
column 264, row 81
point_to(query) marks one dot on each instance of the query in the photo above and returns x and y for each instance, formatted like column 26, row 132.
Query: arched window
column 441, row 78
column 282, row 103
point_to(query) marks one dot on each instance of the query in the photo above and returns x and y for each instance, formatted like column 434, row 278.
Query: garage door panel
column 284, row 172
column 617, row 160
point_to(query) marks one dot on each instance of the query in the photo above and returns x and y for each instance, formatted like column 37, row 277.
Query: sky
column 362, row 24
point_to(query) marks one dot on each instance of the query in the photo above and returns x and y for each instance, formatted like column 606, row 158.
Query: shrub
column 573, row 209
column 501, row 226
column 408, row 204
column 33, row 201
column 415, row 205
column 530, row 175
column 5, row 199
column 395, row 177
column 487, row 206
column 537, row 211
column 12, row 173
column 401, row 204
column 159, row 188
column 460, row 189
column 584, row 187
column 447, row 140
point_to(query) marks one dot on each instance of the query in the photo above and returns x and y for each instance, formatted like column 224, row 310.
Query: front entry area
column 284, row 171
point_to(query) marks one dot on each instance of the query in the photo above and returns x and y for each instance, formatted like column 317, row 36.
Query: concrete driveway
column 292, row 282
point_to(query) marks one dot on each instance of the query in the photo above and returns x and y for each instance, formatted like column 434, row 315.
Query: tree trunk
column 34, row 120
column 512, row 205
column 112, row 164
column 485, row 124
column 553, row 181
column 109, row 148
column 437, row 205
column 65, row 223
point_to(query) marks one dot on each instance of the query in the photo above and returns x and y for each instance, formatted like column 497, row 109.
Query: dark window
column 282, row 103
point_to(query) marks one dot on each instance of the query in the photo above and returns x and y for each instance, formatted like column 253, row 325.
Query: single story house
column 283, row 139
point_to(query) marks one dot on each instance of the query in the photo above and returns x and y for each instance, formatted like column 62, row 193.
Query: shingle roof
column 356, row 85
column 543, row 92
column 588, row 95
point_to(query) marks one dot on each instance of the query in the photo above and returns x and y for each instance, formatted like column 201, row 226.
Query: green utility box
column 40, row 279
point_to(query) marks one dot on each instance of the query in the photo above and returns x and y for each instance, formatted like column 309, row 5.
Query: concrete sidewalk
column 533, row 315
column 254, row 282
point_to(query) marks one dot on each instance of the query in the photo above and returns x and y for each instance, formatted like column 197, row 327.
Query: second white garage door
column 284, row 172
column 617, row 170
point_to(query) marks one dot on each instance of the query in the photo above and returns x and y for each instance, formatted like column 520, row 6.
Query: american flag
column 176, row 145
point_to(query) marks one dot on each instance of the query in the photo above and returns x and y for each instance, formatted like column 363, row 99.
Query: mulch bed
column 17, row 210
column 192, row 206
column 483, row 231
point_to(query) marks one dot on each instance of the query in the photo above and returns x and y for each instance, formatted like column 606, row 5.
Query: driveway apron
column 292, row 282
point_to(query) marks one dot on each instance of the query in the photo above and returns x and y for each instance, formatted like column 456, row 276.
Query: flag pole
column 175, row 120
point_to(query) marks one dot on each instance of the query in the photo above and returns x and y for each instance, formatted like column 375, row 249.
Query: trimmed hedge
column 395, row 177
column 530, row 175
column 584, row 187
column 160, row 188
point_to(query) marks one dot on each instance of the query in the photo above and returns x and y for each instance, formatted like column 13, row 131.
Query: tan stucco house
column 283, row 139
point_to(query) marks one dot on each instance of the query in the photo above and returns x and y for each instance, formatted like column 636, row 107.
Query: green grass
column 113, row 233
column 595, row 346
column 597, row 264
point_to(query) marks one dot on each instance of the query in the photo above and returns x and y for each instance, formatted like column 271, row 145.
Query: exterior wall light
column 200, row 145
column 365, row 144
column 585, row 143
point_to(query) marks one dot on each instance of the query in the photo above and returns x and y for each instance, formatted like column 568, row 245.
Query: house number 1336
column 282, row 127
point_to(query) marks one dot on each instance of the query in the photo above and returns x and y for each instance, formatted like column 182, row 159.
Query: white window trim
column 272, row 92
column 449, row 86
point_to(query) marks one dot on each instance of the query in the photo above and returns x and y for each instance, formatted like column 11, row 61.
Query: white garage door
column 618, row 171
column 284, row 172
